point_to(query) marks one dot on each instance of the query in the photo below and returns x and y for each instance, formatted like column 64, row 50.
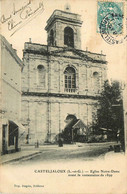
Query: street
column 81, row 152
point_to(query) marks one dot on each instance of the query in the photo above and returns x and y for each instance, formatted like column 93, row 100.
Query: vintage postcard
column 63, row 102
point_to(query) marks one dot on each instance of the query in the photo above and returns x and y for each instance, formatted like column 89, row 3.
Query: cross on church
column 67, row 7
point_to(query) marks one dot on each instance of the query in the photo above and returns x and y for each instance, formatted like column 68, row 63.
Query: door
column 4, row 143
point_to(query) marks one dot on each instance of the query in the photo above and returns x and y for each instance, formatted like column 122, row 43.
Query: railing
column 71, row 90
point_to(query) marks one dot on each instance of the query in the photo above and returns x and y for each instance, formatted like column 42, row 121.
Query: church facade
column 59, row 79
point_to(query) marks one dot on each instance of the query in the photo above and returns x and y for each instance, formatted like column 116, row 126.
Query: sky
column 35, row 29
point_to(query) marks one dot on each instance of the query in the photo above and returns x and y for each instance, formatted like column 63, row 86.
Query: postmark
column 110, row 22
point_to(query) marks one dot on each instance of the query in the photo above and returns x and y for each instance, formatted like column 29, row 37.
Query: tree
column 110, row 113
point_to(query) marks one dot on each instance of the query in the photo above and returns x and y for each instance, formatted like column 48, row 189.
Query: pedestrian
column 60, row 142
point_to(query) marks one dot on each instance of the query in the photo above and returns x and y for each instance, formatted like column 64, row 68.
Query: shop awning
column 14, row 122
column 18, row 124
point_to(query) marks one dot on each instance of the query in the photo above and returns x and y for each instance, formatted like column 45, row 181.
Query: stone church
column 59, row 79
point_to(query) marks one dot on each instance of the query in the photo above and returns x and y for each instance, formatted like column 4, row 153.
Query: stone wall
column 54, row 74
column 10, row 110
column 58, row 21
column 44, row 109
column 43, row 115
column 11, row 82
column 58, row 30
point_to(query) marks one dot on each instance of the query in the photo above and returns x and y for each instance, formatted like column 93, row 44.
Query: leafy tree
column 110, row 113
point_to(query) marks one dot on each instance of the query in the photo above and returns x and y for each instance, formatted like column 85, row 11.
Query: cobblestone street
column 79, row 151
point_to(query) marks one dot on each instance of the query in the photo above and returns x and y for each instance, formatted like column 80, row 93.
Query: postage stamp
column 113, row 12
column 110, row 21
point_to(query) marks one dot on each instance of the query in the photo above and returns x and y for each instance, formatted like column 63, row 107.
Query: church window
column 96, row 82
column 70, row 79
column 69, row 37
column 52, row 38
column 41, row 75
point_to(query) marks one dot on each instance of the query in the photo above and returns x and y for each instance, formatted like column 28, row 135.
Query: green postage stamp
column 110, row 17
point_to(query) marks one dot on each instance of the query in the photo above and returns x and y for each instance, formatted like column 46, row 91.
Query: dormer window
column 69, row 37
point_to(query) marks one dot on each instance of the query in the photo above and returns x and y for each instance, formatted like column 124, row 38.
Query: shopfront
column 11, row 133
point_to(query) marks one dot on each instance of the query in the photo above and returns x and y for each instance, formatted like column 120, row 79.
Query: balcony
column 70, row 90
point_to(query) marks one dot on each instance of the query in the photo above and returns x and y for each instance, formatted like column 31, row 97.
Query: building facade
column 10, row 93
column 60, row 79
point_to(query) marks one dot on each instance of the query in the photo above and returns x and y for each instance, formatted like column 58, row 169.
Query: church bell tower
column 63, row 29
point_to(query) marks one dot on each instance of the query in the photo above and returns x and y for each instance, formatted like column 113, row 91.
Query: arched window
column 70, row 79
column 96, row 84
column 41, row 75
column 51, row 38
column 69, row 37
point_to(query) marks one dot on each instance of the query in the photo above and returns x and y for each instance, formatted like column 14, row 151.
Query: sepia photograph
column 63, row 96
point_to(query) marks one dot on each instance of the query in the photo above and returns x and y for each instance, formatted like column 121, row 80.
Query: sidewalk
column 114, row 155
column 27, row 153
